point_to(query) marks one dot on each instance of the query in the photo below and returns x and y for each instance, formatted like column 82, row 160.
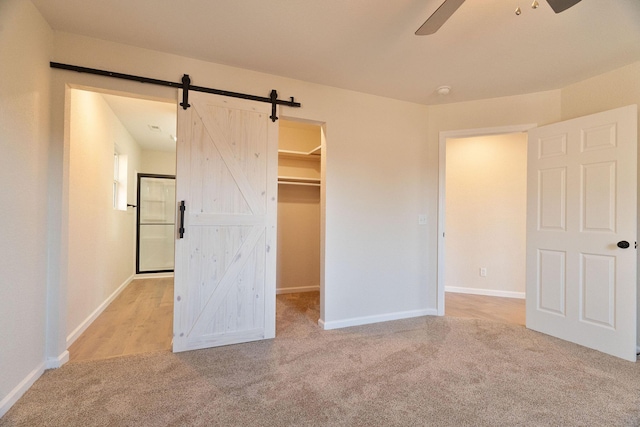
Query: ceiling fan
column 448, row 7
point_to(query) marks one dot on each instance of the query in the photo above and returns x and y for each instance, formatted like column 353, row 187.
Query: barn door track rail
column 186, row 86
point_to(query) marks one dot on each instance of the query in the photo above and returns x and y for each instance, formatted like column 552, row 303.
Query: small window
column 116, row 176
column 119, row 181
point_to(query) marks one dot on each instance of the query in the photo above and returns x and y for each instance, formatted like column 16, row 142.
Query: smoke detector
column 443, row 90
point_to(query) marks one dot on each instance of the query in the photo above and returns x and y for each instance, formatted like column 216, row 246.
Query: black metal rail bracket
column 274, row 97
column 186, row 86
column 186, row 82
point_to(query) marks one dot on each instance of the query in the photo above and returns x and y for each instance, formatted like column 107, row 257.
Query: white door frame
column 442, row 156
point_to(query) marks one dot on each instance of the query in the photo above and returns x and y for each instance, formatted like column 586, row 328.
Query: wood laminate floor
column 140, row 319
column 508, row 310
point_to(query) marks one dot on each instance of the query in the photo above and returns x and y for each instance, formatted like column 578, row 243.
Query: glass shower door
column 156, row 223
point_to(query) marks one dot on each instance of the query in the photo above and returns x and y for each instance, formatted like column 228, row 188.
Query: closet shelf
column 316, row 151
column 306, row 184
column 308, row 155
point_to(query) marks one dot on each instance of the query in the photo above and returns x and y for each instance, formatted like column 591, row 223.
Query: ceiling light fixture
column 443, row 90
column 534, row 5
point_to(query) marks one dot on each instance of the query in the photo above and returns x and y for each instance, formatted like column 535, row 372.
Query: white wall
column 295, row 136
column 298, row 267
column 158, row 162
column 486, row 209
column 611, row 90
column 25, row 50
column 101, row 239
column 289, row 167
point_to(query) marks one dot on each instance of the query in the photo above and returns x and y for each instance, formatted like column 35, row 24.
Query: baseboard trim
column 297, row 290
column 15, row 394
column 487, row 292
column 365, row 320
column 153, row 275
column 56, row 362
column 86, row 322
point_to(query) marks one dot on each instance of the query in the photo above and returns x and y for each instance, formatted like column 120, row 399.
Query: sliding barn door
column 581, row 231
column 225, row 265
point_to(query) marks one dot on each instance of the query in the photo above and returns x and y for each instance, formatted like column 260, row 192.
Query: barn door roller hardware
column 186, row 86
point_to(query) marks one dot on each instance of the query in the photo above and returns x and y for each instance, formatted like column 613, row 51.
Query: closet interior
column 299, row 183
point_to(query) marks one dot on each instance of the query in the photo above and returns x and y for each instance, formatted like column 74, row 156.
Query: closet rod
column 308, row 184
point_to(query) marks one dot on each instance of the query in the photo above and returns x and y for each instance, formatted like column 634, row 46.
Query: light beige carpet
column 424, row 371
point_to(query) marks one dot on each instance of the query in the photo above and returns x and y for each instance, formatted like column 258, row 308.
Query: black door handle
column 181, row 228
column 623, row 244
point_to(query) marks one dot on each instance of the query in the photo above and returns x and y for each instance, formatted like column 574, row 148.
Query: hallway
column 507, row 310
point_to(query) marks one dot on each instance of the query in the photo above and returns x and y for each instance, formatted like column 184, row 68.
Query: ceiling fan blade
column 562, row 5
column 439, row 17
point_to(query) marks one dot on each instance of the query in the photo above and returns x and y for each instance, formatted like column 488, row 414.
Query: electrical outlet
column 422, row 219
column 483, row 271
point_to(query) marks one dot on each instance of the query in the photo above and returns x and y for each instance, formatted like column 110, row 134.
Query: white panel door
column 225, row 265
column 581, row 201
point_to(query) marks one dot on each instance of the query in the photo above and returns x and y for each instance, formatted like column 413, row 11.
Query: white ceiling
column 151, row 123
column 483, row 51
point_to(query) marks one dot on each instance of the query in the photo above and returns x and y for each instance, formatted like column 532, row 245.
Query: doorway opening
column 112, row 310
column 155, row 223
column 107, row 287
column 483, row 204
column 300, row 231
